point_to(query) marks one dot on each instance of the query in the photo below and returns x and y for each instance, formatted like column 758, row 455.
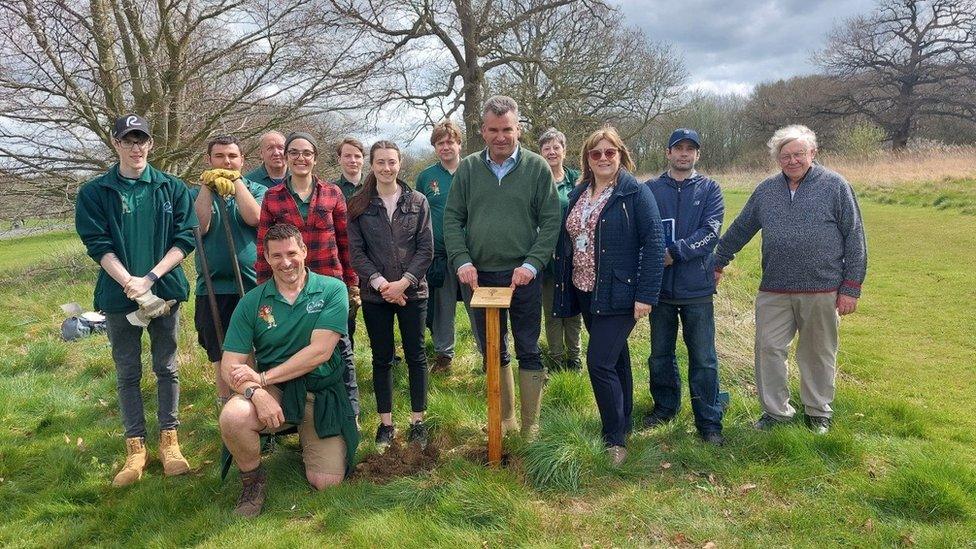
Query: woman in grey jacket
column 392, row 245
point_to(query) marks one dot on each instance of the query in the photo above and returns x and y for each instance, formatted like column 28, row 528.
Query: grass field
column 899, row 468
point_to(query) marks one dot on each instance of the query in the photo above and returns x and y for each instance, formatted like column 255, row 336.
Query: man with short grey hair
column 814, row 260
column 500, row 227
column 272, row 171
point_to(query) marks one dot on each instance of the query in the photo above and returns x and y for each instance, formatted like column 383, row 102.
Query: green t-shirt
column 563, row 188
column 275, row 329
column 435, row 183
column 302, row 204
column 347, row 187
column 218, row 249
column 137, row 207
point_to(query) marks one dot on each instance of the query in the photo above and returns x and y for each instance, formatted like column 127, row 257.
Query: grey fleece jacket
column 812, row 242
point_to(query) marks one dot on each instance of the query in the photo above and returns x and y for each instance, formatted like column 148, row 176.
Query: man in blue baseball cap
column 692, row 210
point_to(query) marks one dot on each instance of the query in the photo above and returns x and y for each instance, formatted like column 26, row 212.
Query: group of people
column 285, row 259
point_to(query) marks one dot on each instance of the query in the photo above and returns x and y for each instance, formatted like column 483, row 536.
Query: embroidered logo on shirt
column 167, row 207
column 435, row 189
column 265, row 314
column 315, row 306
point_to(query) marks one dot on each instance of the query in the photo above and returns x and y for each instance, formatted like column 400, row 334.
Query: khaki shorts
column 320, row 455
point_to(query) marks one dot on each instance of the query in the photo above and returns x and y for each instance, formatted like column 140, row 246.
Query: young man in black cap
column 137, row 223
column 692, row 210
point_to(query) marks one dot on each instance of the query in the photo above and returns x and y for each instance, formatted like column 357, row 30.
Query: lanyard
column 589, row 206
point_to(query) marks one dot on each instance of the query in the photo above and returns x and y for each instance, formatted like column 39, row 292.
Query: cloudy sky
column 732, row 45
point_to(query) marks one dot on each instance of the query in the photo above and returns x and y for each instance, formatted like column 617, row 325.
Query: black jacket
column 401, row 248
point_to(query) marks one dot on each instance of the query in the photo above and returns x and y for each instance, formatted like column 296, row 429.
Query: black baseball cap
column 129, row 123
column 681, row 134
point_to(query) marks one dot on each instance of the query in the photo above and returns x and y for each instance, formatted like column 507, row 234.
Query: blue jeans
column 698, row 331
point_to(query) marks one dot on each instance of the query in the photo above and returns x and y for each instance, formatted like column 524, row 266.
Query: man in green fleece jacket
column 137, row 223
column 293, row 322
column 500, row 227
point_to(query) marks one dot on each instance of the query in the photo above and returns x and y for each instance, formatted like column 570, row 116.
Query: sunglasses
column 597, row 154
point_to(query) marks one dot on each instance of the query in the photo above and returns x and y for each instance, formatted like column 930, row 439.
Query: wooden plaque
column 492, row 298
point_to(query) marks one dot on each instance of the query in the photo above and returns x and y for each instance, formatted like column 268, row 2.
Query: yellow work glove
column 220, row 181
column 154, row 306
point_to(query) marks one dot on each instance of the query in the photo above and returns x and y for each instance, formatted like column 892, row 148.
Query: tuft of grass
column 930, row 489
column 46, row 355
column 563, row 457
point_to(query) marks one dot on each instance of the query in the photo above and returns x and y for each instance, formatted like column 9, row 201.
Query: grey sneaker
column 617, row 455
column 714, row 438
column 818, row 424
column 384, row 437
column 418, row 434
column 766, row 422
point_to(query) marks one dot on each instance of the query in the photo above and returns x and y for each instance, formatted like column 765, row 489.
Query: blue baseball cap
column 681, row 134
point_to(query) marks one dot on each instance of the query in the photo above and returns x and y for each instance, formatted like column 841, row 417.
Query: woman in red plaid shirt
column 318, row 209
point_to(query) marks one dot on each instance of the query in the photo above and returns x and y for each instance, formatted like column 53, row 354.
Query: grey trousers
column 442, row 307
column 814, row 319
column 562, row 334
column 126, row 341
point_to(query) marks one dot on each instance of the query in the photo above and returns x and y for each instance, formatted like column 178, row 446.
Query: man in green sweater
column 500, row 227
column 293, row 322
column 137, row 223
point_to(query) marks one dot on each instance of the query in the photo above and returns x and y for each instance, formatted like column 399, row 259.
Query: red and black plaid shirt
column 324, row 232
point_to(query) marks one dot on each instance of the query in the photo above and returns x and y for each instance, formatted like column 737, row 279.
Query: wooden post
column 493, row 299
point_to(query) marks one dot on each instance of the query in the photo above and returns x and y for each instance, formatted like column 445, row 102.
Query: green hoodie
column 111, row 207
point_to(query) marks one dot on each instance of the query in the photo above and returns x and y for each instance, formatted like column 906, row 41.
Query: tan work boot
column 135, row 462
column 252, row 493
column 169, row 453
column 507, row 383
column 530, row 393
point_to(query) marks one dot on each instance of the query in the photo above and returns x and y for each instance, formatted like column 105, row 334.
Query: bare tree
column 907, row 60
column 192, row 67
column 439, row 53
column 577, row 68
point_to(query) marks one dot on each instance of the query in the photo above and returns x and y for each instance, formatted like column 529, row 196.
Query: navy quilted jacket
column 629, row 252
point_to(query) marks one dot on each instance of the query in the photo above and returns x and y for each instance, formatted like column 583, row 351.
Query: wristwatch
column 152, row 277
column 249, row 392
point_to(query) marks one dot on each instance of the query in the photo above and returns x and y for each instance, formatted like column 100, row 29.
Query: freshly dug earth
column 399, row 460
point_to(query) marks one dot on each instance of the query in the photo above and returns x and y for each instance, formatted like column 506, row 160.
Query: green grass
column 899, row 466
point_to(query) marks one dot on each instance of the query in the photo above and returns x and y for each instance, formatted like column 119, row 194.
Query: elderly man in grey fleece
column 814, row 259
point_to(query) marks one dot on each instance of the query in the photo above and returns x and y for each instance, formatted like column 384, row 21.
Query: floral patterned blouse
column 583, row 232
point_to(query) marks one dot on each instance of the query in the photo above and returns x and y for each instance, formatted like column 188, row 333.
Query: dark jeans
column 126, row 341
column 608, row 363
column 379, row 326
column 526, row 313
column 698, row 331
column 351, row 327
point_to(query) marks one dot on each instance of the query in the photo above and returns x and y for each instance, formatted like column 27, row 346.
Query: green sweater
column 499, row 225
column 167, row 216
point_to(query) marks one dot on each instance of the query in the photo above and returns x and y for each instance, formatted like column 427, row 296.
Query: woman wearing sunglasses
column 392, row 247
column 609, row 261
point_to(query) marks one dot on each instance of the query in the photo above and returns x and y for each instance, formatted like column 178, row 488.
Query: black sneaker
column 418, row 434
column 767, row 422
column 714, row 438
column 384, row 437
column 818, row 424
column 574, row 365
column 653, row 419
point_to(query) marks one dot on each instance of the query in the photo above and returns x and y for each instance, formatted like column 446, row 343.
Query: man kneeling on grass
column 293, row 322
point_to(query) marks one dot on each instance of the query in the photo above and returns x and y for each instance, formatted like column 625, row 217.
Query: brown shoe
column 135, row 462
column 252, row 493
column 169, row 453
column 442, row 365
column 617, row 455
